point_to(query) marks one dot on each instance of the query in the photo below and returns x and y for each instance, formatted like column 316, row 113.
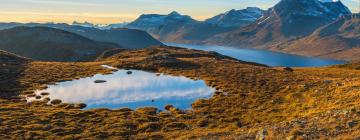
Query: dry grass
column 307, row 103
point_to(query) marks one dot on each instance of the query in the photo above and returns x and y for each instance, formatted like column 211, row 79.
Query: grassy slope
column 317, row 102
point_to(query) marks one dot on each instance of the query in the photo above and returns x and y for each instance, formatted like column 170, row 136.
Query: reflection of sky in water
column 135, row 90
column 266, row 57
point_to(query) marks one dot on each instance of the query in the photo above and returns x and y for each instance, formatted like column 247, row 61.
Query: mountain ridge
column 49, row 44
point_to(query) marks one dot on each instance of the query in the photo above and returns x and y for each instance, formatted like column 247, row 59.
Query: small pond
column 131, row 89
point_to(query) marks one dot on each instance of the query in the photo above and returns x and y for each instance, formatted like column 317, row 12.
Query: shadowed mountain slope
column 339, row 39
column 48, row 44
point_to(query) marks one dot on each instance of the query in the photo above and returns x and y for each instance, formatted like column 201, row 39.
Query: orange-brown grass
column 251, row 101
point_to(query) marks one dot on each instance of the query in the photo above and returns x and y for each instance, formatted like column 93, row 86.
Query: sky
column 117, row 11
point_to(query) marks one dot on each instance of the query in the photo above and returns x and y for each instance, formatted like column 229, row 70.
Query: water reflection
column 131, row 90
column 266, row 57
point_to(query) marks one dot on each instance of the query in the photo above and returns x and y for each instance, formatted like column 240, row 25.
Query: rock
column 80, row 105
column 56, row 102
column 129, row 72
column 168, row 107
column 47, row 99
column 44, row 93
column 352, row 123
column 328, row 81
column 261, row 135
column 38, row 97
column 238, row 124
column 288, row 69
column 99, row 81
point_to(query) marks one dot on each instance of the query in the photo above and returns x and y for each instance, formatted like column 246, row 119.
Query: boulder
column 99, row 81
column 56, row 102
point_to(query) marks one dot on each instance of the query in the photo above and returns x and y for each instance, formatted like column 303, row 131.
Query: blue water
column 133, row 91
column 266, row 57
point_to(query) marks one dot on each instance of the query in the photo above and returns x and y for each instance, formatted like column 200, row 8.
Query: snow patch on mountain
column 234, row 17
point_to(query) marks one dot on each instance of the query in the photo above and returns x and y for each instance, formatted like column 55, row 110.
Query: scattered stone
column 47, row 99
column 45, row 93
column 80, row 105
column 352, row 123
column 38, row 97
column 339, row 84
column 168, row 107
column 129, row 72
column 56, row 101
column 99, row 81
column 328, row 81
column 238, row 124
column 288, row 69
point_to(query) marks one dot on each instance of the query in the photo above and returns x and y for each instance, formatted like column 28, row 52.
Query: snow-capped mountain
column 162, row 26
column 84, row 24
column 175, row 27
column 289, row 19
column 146, row 21
column 236, row 18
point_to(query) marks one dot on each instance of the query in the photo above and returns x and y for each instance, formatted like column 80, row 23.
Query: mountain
column 236, row 18
column 161, row 26
column 175, row 27
column 116, row 25
column 126, row 38
column 288, row 19
column 85, row 24
column 49, row 44
column 339, row 39
column 12, row 59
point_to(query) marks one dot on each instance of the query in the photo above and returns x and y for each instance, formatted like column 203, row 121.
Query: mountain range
column 126, row 38
column 49, row 44
column 288, row 26
column 339, row 39
column 291, row 26
column 175, row 27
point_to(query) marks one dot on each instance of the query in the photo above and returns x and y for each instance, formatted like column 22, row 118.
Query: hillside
column 126, row 38
column 339, row 40
column 7, row 58
column 289, row 19
column 175, row 27
column 256, row 102
column 48, row 44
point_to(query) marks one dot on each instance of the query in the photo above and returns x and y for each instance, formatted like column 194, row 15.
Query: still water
column 138, row 89
column 266, row 57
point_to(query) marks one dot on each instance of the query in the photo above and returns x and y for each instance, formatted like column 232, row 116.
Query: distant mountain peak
column 236, row 18
column 174, row 13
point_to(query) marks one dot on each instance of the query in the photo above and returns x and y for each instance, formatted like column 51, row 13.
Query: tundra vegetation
column 251, row 100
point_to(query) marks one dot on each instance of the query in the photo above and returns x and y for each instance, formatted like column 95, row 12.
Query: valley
column 291, row 71
column 280, row 102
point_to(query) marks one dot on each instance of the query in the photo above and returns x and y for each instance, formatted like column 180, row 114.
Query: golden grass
column 308, row 103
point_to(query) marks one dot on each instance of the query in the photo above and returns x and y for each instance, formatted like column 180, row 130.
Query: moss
column 250, row 97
